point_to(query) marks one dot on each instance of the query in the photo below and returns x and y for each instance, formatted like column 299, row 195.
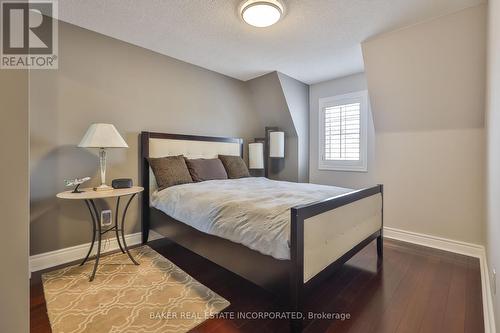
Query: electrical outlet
column 494, row 278
column 106, row 217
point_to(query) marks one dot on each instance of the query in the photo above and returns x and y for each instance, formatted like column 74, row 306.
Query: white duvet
column 252, row 211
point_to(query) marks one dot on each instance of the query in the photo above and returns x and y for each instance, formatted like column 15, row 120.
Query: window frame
column 361, row 165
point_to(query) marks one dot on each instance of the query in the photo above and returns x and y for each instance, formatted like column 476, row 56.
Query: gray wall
column 493, row 140
column 427, row 91
column 426, row 139
column 271, row 109
column 101, row 79
column 348, row 84
column 14, row 145
column 296, row 96
column 279, row 100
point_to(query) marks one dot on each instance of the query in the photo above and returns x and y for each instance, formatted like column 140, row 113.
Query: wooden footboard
column 326, row 234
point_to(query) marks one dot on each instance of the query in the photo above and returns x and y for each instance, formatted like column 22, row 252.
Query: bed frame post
column 144, row 165
column 380, row 239
column 380, row 247
column 296, row 270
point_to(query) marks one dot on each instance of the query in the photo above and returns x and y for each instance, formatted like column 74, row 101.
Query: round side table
column 88, row 195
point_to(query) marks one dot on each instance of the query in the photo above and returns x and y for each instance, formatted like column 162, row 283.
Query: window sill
column 343, row 169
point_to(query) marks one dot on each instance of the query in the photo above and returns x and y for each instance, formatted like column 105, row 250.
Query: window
column 343, row 132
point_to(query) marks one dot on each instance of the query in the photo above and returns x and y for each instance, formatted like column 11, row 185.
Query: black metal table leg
column 98, row 230
column 123, row 230
column 93, row 232
column 98, row 241
column 116, row 224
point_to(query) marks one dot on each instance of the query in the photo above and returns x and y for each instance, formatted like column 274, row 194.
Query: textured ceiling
column 316, row 40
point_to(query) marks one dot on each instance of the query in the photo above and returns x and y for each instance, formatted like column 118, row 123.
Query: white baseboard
column 488, row 310
column 468, row 249
column 58, row 257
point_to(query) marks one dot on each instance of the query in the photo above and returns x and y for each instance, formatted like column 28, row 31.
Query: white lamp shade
column 277, row 144
column 256, row 155
column 102, row 136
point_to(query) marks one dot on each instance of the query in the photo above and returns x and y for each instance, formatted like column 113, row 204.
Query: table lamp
column 102, row 136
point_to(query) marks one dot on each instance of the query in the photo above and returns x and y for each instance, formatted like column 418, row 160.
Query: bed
column 314, row 228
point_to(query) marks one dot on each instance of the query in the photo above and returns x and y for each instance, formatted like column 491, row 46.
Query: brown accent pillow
column 235, row 166
column 206, row 169
column 170, row 171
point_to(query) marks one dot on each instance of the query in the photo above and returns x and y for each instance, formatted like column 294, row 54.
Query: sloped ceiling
column 296, row 96
column 271, row 109
column 316, row 40
column 430, row 76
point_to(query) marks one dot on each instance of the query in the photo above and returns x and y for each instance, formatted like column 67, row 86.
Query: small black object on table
column 122, row 183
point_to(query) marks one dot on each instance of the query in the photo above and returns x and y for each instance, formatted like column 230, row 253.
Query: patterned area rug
column 155, row 296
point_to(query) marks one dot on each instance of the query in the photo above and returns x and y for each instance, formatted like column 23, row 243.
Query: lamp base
column 103, row 187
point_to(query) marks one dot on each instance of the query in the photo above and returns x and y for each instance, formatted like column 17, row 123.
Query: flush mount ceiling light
column 260, row 13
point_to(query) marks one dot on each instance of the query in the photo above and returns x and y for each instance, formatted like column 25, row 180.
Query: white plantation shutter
column 343, row 132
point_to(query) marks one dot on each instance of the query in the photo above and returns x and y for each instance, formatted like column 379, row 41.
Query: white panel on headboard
column 190, row 149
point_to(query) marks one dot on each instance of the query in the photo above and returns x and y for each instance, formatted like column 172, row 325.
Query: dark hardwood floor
column 416, row 289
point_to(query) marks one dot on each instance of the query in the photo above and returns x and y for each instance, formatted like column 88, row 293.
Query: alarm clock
column 122, row 183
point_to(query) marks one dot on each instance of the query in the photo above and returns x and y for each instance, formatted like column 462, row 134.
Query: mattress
column 254, row 211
